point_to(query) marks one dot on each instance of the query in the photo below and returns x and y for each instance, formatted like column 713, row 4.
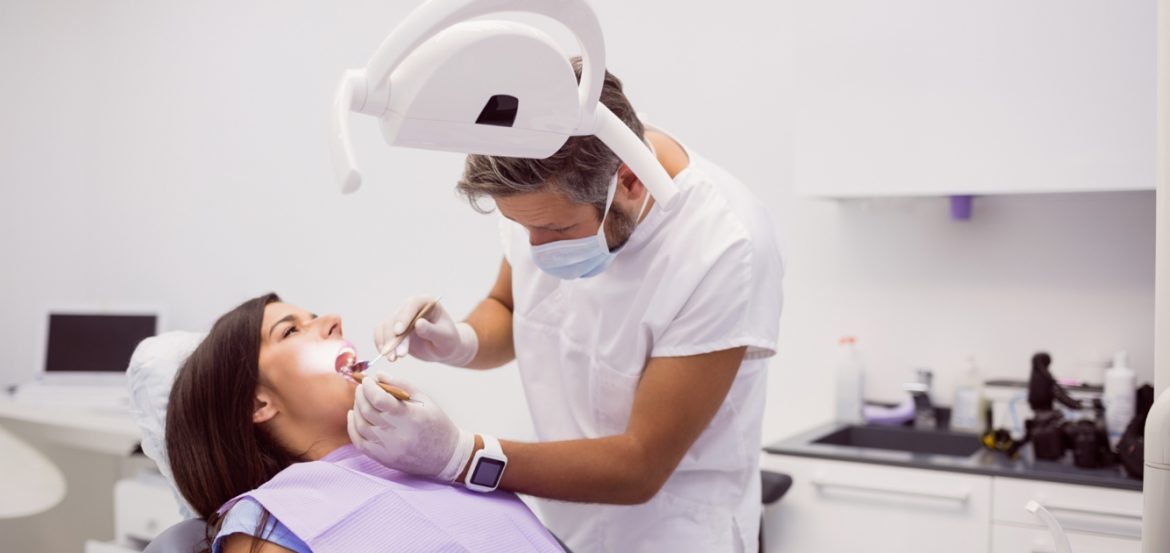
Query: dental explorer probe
column 361, row 366
column 357, row 371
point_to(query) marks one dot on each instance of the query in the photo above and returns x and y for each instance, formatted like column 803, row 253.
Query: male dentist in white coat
column 641, row 335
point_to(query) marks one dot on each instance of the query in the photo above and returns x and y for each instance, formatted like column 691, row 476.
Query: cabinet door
column 913, row 97
column 1101, row 511
column 1006, row 538
column 836, row 506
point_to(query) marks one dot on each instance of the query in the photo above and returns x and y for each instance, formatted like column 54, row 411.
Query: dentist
column 641, row 333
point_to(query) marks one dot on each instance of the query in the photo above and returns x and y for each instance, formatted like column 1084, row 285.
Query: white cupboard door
column 1100, row 511
column 836, row 506
column 1006, row 538
column 943, row 97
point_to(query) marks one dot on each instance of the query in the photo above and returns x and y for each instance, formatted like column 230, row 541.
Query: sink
column 931, row 442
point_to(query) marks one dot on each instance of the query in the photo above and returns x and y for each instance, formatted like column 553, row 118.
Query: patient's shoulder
column 244, row 543
column 242, row 524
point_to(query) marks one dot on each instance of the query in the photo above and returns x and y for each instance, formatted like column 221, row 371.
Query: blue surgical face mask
column 581, row 257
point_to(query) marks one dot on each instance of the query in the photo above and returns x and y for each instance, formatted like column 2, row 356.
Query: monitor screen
column 95, row 343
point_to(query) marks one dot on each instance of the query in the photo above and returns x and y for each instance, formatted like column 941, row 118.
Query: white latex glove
column 414, row 436
column 437, row 337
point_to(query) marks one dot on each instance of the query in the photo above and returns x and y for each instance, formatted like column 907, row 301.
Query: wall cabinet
column 946, row 97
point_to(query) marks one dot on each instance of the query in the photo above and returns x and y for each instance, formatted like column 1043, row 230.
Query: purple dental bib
column 348, row 502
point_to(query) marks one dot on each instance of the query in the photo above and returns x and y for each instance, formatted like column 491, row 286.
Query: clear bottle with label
column 968, row 406
column 1119, row 396
column 850, row 381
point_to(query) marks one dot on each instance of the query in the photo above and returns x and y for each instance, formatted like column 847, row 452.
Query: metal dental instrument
column 357, row 371
column 398, row 393
column 361, row 366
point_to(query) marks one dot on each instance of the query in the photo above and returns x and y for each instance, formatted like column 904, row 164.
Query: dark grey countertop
column 984, row 461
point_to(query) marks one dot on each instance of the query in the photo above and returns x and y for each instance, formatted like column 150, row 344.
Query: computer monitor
column 92, row 344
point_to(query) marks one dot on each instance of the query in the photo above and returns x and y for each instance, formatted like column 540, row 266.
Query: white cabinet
column 1006, row 538
column 945, row 97
column 836, row 506
column 144, row 506
column 1098, row 520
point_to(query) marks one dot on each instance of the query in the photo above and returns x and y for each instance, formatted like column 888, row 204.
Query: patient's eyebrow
column 284, row 319
column 287, row 318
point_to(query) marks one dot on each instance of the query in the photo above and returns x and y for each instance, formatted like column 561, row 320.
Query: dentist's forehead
column 545, row 208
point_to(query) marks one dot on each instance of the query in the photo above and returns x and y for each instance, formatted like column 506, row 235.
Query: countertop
column 105, row 431
column 983, row 462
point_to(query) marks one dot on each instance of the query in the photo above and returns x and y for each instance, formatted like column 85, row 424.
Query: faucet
column 920, row 390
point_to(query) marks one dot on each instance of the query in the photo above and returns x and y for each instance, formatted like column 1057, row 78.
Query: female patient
column 256, row 435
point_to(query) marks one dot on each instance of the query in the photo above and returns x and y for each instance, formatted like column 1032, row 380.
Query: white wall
column 174, row 154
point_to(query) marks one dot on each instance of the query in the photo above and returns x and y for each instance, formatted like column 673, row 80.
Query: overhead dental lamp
column 501, row 88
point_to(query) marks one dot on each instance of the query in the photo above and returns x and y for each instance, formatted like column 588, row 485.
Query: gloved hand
column 437, row 337
column 414, row 436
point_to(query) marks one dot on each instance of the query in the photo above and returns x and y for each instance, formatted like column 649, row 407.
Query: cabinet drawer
column 836, row 506
column 1007, row 538
column 1116, row 513
column 144, row 508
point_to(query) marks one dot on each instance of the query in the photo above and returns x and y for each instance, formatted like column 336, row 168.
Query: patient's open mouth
column 345, row 358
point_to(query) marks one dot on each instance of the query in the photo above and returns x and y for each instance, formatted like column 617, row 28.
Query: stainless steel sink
column 931, row 442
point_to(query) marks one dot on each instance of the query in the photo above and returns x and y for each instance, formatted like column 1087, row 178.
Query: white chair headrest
column 150, row 377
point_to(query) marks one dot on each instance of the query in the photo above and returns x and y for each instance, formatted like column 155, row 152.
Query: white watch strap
column 492, row 445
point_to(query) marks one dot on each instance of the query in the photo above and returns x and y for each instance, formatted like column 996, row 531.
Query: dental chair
column 773, row 486
column 183, row 537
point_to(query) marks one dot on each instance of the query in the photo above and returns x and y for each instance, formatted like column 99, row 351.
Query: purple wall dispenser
column 961, row 207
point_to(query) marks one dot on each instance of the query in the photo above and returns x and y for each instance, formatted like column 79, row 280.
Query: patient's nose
column 329, row 325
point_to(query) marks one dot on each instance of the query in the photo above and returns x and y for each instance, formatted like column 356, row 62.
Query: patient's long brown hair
column 215, row 450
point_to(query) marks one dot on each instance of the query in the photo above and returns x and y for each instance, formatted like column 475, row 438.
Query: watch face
column 487, row 472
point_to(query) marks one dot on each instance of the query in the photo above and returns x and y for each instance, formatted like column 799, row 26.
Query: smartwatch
column 487, row 466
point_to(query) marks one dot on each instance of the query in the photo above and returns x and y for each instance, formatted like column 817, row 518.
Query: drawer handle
column 1094, row 512
column 961, row 496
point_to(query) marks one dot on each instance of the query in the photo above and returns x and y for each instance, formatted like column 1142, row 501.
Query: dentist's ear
column 630, row 188
column 626, row 177
column 263, row 408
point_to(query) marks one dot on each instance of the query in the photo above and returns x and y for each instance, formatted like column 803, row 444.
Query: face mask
column 581, row 257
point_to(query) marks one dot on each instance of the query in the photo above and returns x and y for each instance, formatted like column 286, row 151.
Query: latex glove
column 437, row 337
column 415, row 436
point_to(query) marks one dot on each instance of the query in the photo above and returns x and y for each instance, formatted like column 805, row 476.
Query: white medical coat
column 702, row 276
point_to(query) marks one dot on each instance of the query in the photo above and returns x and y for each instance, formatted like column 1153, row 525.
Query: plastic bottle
column 965, row 412
column 850, row 381
column 1120, row 386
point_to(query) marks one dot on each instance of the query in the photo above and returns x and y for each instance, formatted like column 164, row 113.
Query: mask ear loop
column 608, row 202
column 646, row 201
column 609, row 195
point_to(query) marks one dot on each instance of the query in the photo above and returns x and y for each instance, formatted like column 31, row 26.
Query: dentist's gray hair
column 581, row 169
